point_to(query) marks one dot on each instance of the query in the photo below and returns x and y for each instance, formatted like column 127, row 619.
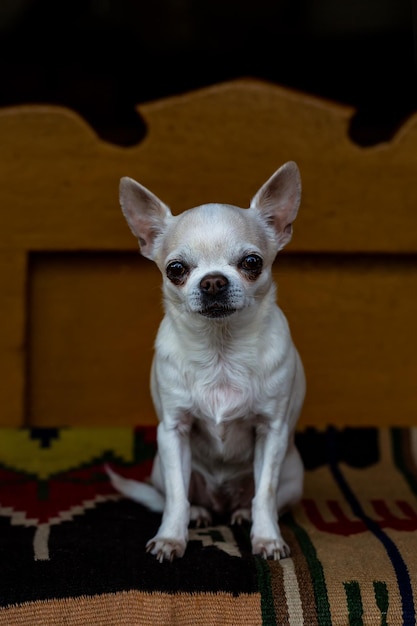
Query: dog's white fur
column 227, row 381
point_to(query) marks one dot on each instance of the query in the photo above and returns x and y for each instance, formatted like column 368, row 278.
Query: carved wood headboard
column 80, row 307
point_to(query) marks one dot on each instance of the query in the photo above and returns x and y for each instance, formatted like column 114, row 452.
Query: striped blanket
column 72, row 550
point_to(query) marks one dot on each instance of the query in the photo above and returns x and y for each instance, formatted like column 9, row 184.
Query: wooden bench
column 80, row 306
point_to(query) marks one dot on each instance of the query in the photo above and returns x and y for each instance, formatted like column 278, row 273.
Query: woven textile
column 72, row 550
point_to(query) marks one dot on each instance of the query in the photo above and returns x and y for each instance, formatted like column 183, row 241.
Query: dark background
column 102, row 57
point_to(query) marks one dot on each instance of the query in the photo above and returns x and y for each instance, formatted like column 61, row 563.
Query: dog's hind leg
column 290, row 488
column 200, row 516
column 241, row 515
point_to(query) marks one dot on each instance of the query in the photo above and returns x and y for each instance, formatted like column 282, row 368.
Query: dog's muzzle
column 216, row 312
column 214, row 289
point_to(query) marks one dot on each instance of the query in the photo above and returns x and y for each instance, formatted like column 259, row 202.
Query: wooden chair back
column 80, row 307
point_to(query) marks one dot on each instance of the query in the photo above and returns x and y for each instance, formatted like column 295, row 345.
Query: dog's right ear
column 146, row 214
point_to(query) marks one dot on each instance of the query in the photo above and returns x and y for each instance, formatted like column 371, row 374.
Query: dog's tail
column 139, row 492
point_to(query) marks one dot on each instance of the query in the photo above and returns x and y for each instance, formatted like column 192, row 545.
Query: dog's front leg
column 270, row 449
column 175, row 457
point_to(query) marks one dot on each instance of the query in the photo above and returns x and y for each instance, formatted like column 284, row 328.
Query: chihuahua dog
column 227, row 382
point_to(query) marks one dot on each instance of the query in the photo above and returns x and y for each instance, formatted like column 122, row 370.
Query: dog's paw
column 270, row 548
column 200, row 516
column 241, row 515
column 166, row 549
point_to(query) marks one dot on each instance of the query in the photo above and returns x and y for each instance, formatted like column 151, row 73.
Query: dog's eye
column 176, row 272
column 252, row 264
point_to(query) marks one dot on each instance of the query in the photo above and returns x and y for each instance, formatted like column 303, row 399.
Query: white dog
column 227, row 381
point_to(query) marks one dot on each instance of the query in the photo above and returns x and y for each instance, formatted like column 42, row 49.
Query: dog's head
column 215, row 259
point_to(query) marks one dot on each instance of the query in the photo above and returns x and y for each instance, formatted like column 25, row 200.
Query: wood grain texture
column 353, row 318
column 13, row 313
column 348, row 279
column 94, row 319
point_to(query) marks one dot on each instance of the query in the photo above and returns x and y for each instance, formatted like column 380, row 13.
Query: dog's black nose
column 213, row 284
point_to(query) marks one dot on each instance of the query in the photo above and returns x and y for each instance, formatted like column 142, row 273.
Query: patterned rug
column 72, row 550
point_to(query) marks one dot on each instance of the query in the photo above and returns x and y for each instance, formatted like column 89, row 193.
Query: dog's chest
column 223, row 393
column 222, row 402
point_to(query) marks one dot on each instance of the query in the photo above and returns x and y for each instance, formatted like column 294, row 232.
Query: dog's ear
column 144, row 212
column 278, row 200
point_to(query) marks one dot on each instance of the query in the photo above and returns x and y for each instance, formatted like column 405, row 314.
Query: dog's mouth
column 216, row 312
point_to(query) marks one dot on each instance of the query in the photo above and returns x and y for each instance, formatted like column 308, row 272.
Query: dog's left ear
column 278, row 200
